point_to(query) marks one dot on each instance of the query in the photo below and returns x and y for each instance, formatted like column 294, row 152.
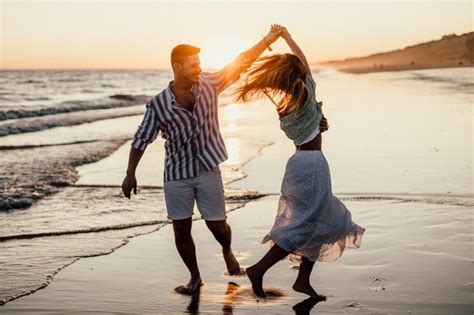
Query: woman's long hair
column 281, row 77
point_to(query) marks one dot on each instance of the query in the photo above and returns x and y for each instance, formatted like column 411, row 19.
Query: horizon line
column 311, row 63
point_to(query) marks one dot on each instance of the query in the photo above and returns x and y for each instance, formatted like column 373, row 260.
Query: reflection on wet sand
column 193, row 307
column 243, row 295
column 234, row 295
column 232, row 288
column 304, row 307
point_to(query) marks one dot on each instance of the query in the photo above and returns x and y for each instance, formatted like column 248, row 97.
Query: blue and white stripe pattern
column 192, row 138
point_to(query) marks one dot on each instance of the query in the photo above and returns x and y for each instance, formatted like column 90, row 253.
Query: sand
column 413, row 263
column 416, row 254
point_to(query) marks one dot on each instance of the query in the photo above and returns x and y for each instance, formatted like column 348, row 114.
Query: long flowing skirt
column 310, row 221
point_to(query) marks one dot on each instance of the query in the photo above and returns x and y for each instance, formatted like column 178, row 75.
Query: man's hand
column 323, row 125
column 283, row 31
column 129, row 183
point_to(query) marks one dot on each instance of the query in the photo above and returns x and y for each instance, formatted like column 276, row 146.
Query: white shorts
column 208, row 191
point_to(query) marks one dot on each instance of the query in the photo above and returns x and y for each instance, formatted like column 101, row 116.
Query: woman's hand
column 323, row 125
column 273, row 34
column 283, row 31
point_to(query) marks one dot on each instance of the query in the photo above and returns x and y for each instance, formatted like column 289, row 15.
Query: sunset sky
column 140, row 34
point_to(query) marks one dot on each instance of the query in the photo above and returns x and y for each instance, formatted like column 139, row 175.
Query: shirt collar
column 195, row 89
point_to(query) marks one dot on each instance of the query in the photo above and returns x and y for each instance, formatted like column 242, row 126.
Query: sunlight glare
column 233, row 149
column 218, row 52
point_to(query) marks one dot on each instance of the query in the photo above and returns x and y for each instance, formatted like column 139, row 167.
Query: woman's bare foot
column 256, row 280
column 233, row 267
column 191, row 287
column 306, row 288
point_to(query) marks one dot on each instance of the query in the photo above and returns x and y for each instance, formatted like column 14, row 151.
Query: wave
column 66, row 119
column 70, row 80
column 113, row 101
column 126, row 97
column 49, row 277
column 30, row 82
column 80, row 231
column 33, row 146
column 121, row 234
column 116, row 106
column 464, row 83
column 90, row 91
column 54, row 171
column 40, row 98
column 463, row 201
column 106, row 85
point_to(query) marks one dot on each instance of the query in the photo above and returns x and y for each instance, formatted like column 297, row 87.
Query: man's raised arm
column 231, row 73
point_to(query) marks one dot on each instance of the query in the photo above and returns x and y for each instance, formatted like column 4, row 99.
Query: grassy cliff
column 449, row 51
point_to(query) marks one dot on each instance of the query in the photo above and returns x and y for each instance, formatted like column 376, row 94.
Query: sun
column 218, row 52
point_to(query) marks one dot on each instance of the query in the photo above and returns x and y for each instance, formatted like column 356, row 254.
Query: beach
column 400, row 152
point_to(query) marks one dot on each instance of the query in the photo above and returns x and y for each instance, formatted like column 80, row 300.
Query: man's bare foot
column 306, row 288
column 191, row 287
column 233, row 267
column 256, row 281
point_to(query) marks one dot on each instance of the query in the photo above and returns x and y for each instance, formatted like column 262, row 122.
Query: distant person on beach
column 310, row 221
column 186, row 115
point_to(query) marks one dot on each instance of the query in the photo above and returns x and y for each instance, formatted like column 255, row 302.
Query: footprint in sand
column 353, row 305
column 242, row 273
column 240, row 255
column 379, row 284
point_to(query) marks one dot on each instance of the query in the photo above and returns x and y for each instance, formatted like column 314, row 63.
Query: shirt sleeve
column 230, row 74
column 148, row 130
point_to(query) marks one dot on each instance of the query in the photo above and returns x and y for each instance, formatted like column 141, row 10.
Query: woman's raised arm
column 295, row 49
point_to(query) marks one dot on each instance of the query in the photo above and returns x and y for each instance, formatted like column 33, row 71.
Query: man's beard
column 193, row 78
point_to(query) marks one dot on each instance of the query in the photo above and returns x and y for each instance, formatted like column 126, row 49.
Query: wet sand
column 413, row 263
column 361, row 69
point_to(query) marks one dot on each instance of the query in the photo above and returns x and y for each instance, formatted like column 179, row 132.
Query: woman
column 310, row 222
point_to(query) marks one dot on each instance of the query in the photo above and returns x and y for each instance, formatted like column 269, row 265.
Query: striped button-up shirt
column 193, row 139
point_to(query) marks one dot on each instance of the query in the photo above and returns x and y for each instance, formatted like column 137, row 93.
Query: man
column 186, row 115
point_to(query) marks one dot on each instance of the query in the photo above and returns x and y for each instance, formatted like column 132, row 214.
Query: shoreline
column 85, row 182
column 390, row 68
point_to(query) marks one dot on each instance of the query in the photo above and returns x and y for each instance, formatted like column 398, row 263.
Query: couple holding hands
column 310, row 222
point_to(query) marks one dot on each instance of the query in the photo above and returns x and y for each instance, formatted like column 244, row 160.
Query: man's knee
column 220, row 229
column 182, row 229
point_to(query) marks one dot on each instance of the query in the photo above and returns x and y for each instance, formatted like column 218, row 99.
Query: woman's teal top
column 299, row 125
